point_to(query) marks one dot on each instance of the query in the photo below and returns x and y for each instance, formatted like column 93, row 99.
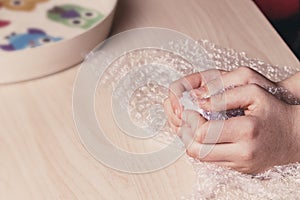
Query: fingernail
column 203, row 92
column 201, row 89
column 206, row 96
column 177, row 113
column 202, row 101
column 194, row 94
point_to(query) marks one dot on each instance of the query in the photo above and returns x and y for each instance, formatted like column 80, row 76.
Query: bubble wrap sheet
column 214, row 182
column 144, row 89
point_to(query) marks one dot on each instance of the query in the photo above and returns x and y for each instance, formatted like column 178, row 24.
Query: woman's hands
column 207, row 83
column 266, row 136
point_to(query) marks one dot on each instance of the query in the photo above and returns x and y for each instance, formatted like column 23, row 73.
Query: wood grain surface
column 41, row 156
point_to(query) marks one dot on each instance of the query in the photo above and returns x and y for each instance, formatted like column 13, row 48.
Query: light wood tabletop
column 41, row 156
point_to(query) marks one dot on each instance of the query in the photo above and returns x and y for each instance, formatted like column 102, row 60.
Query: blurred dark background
column 284, row 16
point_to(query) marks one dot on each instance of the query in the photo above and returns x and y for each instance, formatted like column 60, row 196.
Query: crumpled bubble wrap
column 140, row 79
column 279, row 182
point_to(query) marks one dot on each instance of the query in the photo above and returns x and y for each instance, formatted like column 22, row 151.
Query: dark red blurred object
column 284, row 15
column 278, row 9
column 4, row 23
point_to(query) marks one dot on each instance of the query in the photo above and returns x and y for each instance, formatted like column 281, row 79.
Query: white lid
column 74, row 28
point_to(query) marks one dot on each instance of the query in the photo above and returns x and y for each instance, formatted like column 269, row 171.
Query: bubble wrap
column 189, row 103
column 214, row 182
column 140, row 79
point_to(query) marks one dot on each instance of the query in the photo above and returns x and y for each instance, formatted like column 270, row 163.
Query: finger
column 193, row 119
column 174, row 129
column 210, row 88
column 235, row 166
column 223, row 131
column 178, row 87
column 237, row 77
column 186, row 134
column 225, row 164
column 188, row 83
column 172, row 118
column 243, row 97
column 213, row 153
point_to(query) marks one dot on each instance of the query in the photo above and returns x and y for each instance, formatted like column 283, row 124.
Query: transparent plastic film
column 136, row 68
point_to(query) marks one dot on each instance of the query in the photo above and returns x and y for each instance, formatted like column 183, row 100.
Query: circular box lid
column 40, row 37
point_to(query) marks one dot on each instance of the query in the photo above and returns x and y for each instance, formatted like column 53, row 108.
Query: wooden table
column 41, row 156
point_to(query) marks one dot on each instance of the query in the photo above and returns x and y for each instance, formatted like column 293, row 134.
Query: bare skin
column 268, row 134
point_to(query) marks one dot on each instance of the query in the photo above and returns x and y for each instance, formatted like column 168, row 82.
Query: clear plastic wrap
column 139, row 81
column 213, row 182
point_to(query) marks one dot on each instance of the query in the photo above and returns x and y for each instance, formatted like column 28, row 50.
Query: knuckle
column 201, row 133
column 247, row 155
column 259, row 94
column 245, row 170
column 251, row 128
column 249, row 168
column 245, row 71
column 191, row 152
column 193, row 120
column 213, row 86
column 249, row 135
column 256, row 90
column 250, row 75
column 178, row 131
